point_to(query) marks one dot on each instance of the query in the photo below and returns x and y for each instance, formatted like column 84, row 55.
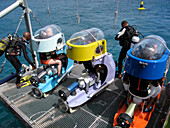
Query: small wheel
column 124, row 120
column 64, row 93
column 37, row 93
column 63, row 105
column 35, row 80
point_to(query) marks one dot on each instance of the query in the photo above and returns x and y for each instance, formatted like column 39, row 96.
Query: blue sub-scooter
column 46, row 40
column 146, row 66
column 89, row 48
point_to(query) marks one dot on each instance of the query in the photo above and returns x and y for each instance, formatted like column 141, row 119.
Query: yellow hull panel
column 86, row 52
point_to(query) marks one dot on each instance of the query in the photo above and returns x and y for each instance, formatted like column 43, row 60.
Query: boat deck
column 96, row 113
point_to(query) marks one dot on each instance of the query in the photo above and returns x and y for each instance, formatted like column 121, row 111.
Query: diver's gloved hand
column 33, row 66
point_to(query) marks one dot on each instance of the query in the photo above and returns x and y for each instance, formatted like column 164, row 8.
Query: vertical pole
column 29, row 29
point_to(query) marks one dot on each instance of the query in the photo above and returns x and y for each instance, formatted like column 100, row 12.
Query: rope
column 2, row 66
column 19, row 22
column 35, row 17
column 77, row 15
column 116, row 13
column 23, row 16
column 48, row 7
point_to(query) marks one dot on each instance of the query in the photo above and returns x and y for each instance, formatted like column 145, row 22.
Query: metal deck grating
column 96, row 113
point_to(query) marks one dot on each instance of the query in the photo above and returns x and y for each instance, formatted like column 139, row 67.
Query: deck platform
column 96, row 113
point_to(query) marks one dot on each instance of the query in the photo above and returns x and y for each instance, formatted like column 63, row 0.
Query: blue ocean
column 154, row 20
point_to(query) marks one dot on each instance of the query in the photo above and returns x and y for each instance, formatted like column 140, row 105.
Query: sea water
column 93, row 13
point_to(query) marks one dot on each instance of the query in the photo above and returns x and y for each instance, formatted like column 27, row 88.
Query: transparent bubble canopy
column 47, row 32
column 87, row 36
column 48, row 38
column 150, row 48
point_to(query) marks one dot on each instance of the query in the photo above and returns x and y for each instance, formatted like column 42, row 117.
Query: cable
column 19, row 22
column 116, row 13
column 77, row 15
column 2, row 66
column 35, row 17
column 48, row 8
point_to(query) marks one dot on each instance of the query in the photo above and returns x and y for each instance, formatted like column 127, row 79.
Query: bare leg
column 55, row 61
column 59, row 68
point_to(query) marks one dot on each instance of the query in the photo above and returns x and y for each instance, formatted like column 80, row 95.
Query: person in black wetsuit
column 124, row 36
column 14, row 50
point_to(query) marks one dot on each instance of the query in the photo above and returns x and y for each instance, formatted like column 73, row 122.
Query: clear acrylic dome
column 87, row 36
column 47, row 32
column 150, row 48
